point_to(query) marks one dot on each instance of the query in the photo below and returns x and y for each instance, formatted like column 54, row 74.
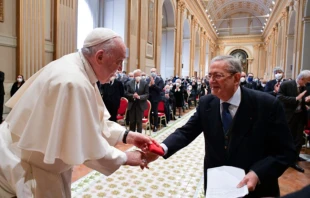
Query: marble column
column 65, row 28
column 179, row 37
column 305, row 59
column 31, row 37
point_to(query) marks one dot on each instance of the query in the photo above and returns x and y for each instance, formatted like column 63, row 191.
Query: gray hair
column 234, row 64
column 303, row 74
column 136, row 71
column 108, row 47
column 277, row 69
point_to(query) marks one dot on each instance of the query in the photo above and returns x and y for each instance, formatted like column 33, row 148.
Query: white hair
column 234, row 64
column 136, row 71
column 303, row 74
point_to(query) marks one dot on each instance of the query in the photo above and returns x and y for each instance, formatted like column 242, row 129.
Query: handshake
column 150, row 150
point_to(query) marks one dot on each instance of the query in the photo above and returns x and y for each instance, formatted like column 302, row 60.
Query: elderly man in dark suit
column 137, row 94
column 242, row 128
column 1, row 95
column 111, row 94
column 294, row 95
column 156, row 85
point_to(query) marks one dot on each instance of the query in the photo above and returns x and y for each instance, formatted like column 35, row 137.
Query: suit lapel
column 242, row 122
column 213, row 113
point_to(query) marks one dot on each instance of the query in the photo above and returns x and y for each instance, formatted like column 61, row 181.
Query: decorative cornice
column 275, row 17
column 240, row 39
column 306, row 19
column 203, row 21
column 8, row 41
column 49, row 46
column 168, row 29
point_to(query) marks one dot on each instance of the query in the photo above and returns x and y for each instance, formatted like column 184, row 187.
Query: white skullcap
column 99, row 35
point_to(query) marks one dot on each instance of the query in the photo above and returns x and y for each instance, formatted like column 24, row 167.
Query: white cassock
column 58, row 120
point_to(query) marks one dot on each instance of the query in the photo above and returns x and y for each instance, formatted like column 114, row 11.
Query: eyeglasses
column 218, row 76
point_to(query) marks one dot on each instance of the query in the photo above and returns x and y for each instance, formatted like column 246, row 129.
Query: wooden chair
column 146, row 118
column 122, row 111
column 161, row 113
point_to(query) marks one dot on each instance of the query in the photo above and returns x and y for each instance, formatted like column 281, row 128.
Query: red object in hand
column 156, row 149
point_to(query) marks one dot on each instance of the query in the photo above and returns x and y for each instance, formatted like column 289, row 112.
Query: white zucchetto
column 99, row 35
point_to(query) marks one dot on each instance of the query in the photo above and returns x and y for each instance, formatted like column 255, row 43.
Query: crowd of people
column 59, row 118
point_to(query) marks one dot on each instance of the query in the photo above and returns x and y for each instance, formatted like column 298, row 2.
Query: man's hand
column 147, row 158
column 250, row 180
column 276, row 87
column 136, row 96
column 140, row 141
column 151, row 81
column 301, row 95
column 307, row 99
column 135, row 158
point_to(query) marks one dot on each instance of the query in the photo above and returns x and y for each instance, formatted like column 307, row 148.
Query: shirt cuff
column 164, row 147
column 124, row 158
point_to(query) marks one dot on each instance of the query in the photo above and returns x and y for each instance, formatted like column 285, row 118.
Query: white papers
column 223, row 181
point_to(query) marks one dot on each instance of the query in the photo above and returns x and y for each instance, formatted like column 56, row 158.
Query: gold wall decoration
column 150, row 34
column 1, row 11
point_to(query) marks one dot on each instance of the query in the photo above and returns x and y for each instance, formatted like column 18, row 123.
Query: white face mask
column 138, row 78
column 143, row 77
column 177, row 84
column 278, row 76
column 242, row 79
column 19, row 80
column 130, row 78
column 199, row 83
column 263, row 85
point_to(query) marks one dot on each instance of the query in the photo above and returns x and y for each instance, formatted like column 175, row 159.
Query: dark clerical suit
column 111, row 95
column 136, row 107
column 258, row 139
column 296, row 117
column 1, row 95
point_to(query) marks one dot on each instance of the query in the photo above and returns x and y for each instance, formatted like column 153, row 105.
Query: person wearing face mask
column 143, row 76
column 178, row 95
column 156, row 86
column 19, row 82
column 111, row 94
column 247, row 81
column 137, row 94
column 294, row 95
column 272, row 86
column 261, row 85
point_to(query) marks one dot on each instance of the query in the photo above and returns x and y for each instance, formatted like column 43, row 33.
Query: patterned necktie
column 226, row 117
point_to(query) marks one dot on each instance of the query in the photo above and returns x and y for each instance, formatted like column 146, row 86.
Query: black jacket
column 259, row 138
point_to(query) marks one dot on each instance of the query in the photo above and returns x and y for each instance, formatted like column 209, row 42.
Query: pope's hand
column 251, row 180
column 141, row 141
column 135, row 158
column 147, row 158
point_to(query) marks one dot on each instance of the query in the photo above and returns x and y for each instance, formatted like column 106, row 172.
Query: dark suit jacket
column 270, row 86
column 259, row 138
column 303, row 193
column 143, row 92
column 1, row 83
column 112, row 93
column 287, row 94
column 154, row 90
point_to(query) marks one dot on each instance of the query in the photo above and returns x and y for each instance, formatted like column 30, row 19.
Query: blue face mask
column 250, row 78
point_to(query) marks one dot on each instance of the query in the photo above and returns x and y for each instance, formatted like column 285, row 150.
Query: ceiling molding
column 195, row 8
column 276, row 16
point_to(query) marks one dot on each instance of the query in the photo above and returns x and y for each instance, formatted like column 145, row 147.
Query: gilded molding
column 8, row 41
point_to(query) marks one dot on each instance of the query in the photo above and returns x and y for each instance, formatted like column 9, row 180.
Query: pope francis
column 59, row 120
